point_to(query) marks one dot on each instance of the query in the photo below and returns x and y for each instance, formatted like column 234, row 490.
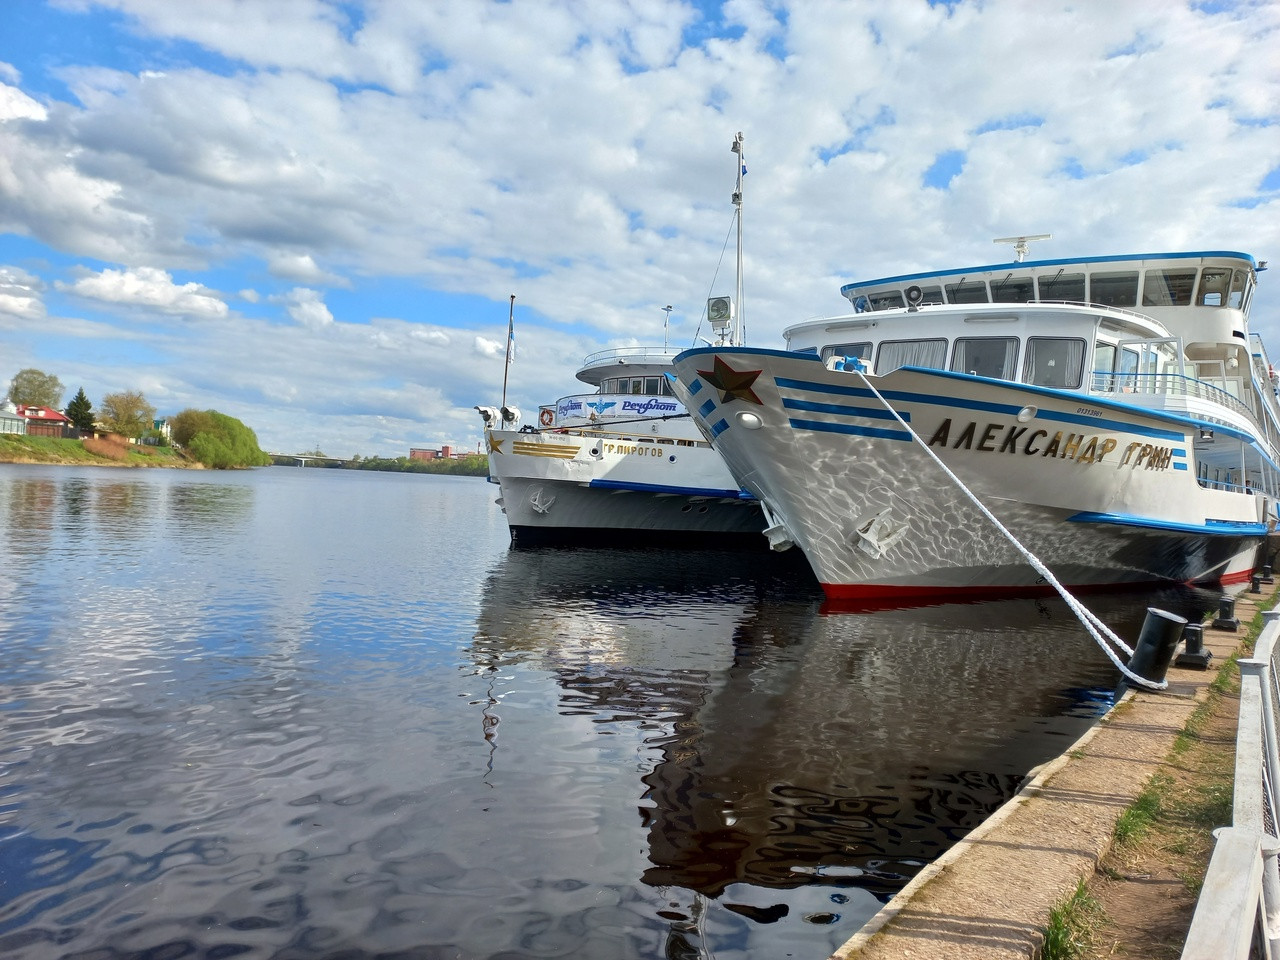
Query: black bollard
column 1161, row 632
column 1255, row 583
column 1266, row 574
column 1226, row 615
column 1194, row 654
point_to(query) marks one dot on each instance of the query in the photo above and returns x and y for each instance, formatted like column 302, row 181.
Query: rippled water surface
column 313, row 713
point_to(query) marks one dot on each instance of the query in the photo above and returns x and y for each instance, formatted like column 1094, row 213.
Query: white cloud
column 439, row 338
column 16, row 105
column 301, row 267
column 307, row 307
column 151, row 288
column 576, row 154
column 20, row 294
column 489, row 349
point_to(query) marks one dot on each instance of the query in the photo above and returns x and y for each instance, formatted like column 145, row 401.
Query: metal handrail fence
column 1174, row 384
column 1238, row 913
column 654, row 355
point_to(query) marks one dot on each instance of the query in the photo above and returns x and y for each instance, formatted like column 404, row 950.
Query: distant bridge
column 303, row 459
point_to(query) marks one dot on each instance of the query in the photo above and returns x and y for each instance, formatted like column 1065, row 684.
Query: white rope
column 1101, row 633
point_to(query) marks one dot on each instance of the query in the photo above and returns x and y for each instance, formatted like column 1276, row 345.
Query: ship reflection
column 788, row 747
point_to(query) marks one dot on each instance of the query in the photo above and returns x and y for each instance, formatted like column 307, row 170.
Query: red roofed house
column 43, row 421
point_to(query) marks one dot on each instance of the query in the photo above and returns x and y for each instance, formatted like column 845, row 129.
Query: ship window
column 1168, row 288
column 652, row 386
column 1104, row 357
column 862, row 350
column 1114, row 289
column 1053, row 362
column 637, row 385
column 1237, row 290
column 1215, row 282
column 971, row 291
column 1062, row 286
column 911, row 353
column 986, row 356
column 1012, row 290
column 1128, row 369
column 930, row 295
column 1104, row 361
column 889, row 300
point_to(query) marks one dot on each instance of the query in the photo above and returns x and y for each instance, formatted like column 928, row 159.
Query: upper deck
column 1145, row 281
column 618, row 362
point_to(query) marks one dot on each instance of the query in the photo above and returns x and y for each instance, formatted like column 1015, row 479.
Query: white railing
column 1171, row 384
column 651, row 355
column 1238, row 913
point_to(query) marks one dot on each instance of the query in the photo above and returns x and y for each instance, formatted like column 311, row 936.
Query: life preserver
column 545, row 418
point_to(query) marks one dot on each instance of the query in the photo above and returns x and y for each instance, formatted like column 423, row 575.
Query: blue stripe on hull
column 674, row 491
column 1008, row 409
column 849, row 428
column 1213, row 528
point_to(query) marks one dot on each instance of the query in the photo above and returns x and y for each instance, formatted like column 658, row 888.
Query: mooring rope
column 1097, row 629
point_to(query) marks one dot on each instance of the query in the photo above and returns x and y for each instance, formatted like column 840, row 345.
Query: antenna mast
column 737, row 338
column 511, row 339
column 1020, row 243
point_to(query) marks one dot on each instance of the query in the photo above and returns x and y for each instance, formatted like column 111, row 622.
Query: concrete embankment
column 989, row 897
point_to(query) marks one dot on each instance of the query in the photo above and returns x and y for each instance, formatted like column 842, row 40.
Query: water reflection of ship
column 791, row 748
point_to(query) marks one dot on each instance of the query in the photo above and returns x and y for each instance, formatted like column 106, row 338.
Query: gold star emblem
column 732, row 384
column 495, row 445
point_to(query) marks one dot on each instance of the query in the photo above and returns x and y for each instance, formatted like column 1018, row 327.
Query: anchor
column 539, row 502
column 878, row 533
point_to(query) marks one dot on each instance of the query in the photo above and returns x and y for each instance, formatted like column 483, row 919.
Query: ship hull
column 1099, row 491
column 574, row 487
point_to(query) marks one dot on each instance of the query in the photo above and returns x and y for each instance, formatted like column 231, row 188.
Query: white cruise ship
column 1114, row 414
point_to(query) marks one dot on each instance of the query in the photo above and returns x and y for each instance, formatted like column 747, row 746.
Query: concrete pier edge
column 989, row 895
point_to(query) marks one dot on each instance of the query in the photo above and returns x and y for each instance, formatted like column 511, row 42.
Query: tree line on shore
column 206, row 436
column 467, row 465
column 211, row 438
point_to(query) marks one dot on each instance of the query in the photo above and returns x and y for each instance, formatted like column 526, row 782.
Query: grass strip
column 1172, row 818
column 1066, row 936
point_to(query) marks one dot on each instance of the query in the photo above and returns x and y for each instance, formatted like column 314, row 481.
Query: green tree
column 126, row 413
column 80, row 411
column 35, row 388
column 217, row 440
column 187, row 424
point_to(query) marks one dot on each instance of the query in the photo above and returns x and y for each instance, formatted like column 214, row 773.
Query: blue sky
column 310, row 214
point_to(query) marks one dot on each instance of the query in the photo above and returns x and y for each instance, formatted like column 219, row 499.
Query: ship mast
column 736, row 336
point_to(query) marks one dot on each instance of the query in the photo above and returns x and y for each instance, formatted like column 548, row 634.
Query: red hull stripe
column 873, row 596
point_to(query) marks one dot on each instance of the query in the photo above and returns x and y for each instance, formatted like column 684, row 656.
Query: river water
column 294, row 713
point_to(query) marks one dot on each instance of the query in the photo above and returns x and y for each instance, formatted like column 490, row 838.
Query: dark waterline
column 306, row 713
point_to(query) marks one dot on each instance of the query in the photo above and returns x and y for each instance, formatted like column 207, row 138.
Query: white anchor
column 877, row 533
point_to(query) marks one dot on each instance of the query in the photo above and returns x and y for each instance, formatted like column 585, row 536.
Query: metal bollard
column 1226, row 615
column 1255, row 583
column 1161, row 632
column 1266, row 574
column 1193, row 653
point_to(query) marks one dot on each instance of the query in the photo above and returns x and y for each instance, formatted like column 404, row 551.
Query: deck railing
column 1238, row 913
column 649, row 355
column 1174, row 384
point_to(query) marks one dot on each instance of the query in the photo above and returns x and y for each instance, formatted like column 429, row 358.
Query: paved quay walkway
column 990, row 895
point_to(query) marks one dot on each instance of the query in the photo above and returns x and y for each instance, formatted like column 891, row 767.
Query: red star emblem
column 732, row 384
